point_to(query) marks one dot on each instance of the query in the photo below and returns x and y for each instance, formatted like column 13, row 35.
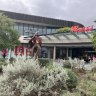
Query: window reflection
column 48, row 30
column 20, row 28
column 29, row 29
column 44, row 30
column 35, row 28
column 53, row 30
column 40, row 30
column 26, row 31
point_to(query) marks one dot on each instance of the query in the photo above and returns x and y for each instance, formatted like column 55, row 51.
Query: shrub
column 72, row 94
column 87, row 87
column 67, row 64
column 26, row 78
column 65, row 29
column 2, row 62
column 45, row 62
column 12, row 60
column 72, row 81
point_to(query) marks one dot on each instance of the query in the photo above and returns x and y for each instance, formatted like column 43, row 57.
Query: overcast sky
column 82, row 11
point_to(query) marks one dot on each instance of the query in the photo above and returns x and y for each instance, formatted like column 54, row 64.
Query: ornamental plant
column 72, row 82
column 65, row 29
column 26, row 78
column 87, row 87
column 93, row 39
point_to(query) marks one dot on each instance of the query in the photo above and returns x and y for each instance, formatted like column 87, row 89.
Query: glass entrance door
column 61, row 53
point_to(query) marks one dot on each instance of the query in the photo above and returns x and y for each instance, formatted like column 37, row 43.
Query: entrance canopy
column 63, row 39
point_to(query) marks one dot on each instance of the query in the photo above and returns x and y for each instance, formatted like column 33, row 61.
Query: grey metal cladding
column 39, row 19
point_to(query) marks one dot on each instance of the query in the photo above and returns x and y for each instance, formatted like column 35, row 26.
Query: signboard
column 21, row 50
column 81, row 29
column 27, row 52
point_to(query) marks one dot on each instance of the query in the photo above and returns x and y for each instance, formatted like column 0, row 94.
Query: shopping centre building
column 55, row 45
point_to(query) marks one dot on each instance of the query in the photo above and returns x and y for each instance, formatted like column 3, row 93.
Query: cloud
column 82, row 11
column 9, row 5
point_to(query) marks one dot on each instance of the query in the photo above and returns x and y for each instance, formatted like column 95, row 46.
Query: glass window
column 26, row 31
column 53, row 30
column 48, row 31
column 35, row 28
column 31, row 27
column 40, row 30
column 21, row 29
column 44, row 30
column 56, row 30
column 44, row 52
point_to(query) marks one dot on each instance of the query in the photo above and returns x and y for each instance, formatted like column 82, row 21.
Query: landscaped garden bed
column 29, row 78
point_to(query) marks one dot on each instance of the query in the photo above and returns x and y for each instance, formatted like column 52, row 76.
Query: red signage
column 27, row 52
column 81, row 29
column 19, row 50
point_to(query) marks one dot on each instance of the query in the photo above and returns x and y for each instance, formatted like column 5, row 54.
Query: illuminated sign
column 81, row 29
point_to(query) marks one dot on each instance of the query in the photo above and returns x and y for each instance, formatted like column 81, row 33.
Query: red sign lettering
column 81, row 29
column 27, row 52
column 19, row 50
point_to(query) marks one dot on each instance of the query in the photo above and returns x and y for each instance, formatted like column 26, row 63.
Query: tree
column 8, row 36
column 94, row 40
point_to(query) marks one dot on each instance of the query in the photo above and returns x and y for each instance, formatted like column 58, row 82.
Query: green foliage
column 2, row 63
column 94, row 40
column 45, row 62
column 8, row 36
column 12, row 60
column 87, row 87
column 71, row 94
column 27, row 78
column 67, row 64
column 72, row 81
column 65, row 29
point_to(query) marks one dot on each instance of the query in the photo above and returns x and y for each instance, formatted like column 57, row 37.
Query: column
column 67, row 53
column 54, row 53
column 71, row 53
column 48, row 52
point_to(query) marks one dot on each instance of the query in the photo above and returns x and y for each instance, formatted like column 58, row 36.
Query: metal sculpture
column 35, row 45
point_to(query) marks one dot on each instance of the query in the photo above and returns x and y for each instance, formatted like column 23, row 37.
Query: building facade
column 55, row 45
column 26, row 23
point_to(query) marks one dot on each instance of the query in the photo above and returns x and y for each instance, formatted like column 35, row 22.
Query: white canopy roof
column 62, row 38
